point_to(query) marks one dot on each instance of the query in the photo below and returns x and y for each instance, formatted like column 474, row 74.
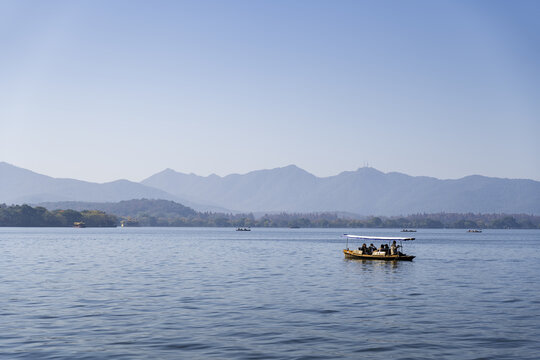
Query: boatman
column 393, row 248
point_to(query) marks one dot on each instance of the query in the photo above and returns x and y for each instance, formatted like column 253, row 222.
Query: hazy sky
column 102, row 90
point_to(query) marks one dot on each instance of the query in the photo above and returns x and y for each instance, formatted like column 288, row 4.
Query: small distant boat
column 294, row 227
column 474, row 230
column 379, row 254
column 408, row 230
column 243, row 229
column 79, row 224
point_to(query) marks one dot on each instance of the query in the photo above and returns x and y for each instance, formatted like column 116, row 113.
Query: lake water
column 173, row 293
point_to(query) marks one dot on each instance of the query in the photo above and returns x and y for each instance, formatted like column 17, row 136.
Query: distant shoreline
column 232, row 227
column 162, row 213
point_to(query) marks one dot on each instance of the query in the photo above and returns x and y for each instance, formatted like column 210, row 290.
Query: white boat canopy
column 377, row 237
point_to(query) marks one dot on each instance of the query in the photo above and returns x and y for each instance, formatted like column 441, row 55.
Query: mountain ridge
column 365, row 191
column 19, row 185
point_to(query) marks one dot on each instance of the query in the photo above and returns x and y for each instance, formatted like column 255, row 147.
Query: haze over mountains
column 365, row 191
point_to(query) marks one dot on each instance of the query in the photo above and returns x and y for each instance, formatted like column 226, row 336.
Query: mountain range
column 365, row 191
column 18, row 186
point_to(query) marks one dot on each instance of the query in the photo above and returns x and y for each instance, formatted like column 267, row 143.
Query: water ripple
column 153, row 293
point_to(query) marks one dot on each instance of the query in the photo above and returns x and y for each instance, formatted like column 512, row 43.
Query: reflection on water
column 375, row 263
column 139, row 293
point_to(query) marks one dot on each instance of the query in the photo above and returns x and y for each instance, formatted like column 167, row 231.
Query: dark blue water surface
column 171, row 293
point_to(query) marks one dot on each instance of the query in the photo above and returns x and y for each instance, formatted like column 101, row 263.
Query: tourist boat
column 408, row 230
column 377, row 254
column 243, row 229
column 474, row 230
column 79, row 224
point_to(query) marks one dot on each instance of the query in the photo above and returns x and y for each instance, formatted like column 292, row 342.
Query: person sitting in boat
column 364, row 248
column 372, row 248
column 394, row 248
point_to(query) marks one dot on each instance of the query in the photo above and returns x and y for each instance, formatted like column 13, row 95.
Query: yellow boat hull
column 353, row 254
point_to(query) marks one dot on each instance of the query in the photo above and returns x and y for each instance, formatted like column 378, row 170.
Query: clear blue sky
column 102, row 90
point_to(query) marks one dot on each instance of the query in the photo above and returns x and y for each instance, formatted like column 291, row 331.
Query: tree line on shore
column 28, row 216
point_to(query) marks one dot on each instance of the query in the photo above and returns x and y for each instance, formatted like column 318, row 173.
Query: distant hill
column 281, row 189
column 365, row 191
column 129, row 208
column 19, row 186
